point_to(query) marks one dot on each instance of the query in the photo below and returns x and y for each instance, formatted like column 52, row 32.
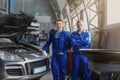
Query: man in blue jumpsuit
column 80, row 40
column 60, row 41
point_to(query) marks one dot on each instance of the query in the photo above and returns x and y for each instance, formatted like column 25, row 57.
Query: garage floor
column 48, row 76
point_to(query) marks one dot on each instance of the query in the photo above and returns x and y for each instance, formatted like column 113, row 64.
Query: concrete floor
column 48, row 76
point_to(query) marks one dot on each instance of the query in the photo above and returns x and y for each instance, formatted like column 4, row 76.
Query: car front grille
column 37, row 63
column 14, row 70
column 30, row 66
column 27, row 68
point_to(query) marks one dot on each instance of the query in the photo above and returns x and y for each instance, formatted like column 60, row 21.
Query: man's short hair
column 60, row 20
column 79, row 21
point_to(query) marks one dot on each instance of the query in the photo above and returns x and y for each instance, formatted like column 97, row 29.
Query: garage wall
column 111, row 39
column 113, row 12
column 34, row 6
column 1, row 3
column 111, row 36
column 41, row 7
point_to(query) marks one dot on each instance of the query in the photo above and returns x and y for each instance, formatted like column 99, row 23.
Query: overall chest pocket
column 56, row 43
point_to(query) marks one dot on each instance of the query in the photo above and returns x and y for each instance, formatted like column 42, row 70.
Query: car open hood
column 14, row 24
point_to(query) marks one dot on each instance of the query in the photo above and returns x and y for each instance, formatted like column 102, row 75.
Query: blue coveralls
column 80, row 41
column 58, row 64
column 23, row 39
column 36, row 40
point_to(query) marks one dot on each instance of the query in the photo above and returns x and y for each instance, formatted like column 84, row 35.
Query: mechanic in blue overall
column 25, row 39
column 80, row 40
column 60, row 40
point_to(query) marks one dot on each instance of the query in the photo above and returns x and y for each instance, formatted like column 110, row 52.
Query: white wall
column 113, row 11
column 112, row 24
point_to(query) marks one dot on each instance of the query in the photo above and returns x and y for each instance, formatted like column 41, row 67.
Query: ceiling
column 58, row 5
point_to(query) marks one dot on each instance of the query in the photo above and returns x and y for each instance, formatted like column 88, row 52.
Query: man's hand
column 40, row 50
column 44, row 52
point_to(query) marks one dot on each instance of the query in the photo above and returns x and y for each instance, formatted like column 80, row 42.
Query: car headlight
column 9, row 57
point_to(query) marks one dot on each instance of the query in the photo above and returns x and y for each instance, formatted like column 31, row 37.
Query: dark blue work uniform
column 22, row 39
column 80, row 41
column 59, row 44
